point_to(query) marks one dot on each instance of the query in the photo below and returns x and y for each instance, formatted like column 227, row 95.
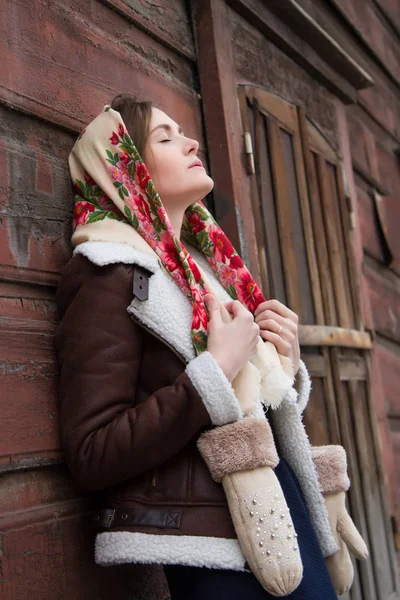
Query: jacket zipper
column 162, row 340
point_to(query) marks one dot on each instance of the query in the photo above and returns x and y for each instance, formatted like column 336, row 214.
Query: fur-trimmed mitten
column 331, row 465
column 242, row 455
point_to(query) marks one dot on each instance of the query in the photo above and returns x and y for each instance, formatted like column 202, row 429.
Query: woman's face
column 169, row 157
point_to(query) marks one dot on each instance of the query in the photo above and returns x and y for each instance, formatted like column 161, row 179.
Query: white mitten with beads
column 242, row 457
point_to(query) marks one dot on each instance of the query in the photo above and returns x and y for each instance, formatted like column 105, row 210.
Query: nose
column 192, row 146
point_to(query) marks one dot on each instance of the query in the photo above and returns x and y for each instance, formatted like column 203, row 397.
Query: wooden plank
column 323, row 43
column 268, row 205
column 352, row 368
column 362, row 144
column 316, row 244
column 224, row 136
column 366, row 22
column 55, row 555
column 388, row 211
column 257, row 202
column 388, row 355
column 315, row 416
column 321, row 248
column 372, row 485
column 353, row 275
column 335, row 252
column 44, row 78
column 297, row 199
column 22, row 490
column 316, row 365
column 367, row 222
column 21, row 461
column 284, row 220
column 355, row 494
column 274, row 105
column 167, row 22
column 384, row 295
column 391, row 9
column 308, row 187
column 320, row 335
column 295, row 46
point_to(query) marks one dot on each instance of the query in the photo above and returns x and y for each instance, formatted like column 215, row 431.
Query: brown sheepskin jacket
column 133, row 400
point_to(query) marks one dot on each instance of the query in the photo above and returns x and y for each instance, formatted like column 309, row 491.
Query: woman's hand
column 279, row 325
column 231, row 344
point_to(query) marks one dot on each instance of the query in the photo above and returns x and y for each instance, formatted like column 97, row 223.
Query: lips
column 196, row 163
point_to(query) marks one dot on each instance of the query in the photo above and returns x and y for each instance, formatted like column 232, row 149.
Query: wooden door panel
column 303, row 236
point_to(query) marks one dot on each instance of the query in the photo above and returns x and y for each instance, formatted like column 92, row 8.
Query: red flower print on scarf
column 124, row 159
column 169, row 255
column 194, row 268
column 141, row 208
column 222, row 246
column 141, row 175
column 121, row 130
column 236, row 262
column 81, row 212
column 114, row 139
column 200, row 317
column 89, row 179
column 197, row 223
column 227, row 275
column 248, row 291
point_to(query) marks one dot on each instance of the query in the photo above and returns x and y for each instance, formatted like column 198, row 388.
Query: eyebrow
column 168, row 127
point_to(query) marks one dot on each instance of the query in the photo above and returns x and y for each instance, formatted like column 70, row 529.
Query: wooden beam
column 222, row 118
column 331, row 51
column 320, row 335
column 299, row 49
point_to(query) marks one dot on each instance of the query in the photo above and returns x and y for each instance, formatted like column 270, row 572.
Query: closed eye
column 166, row 141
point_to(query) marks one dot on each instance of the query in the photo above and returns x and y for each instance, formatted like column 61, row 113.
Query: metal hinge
column 248, row 147
column 111, row 518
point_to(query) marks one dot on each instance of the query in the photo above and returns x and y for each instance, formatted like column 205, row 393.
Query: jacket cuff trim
column 214, row 388
column 244, row 445
column 331, row 466
column 113, row 548
column 302, row 386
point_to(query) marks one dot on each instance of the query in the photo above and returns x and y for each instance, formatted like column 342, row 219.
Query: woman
column 149, row 363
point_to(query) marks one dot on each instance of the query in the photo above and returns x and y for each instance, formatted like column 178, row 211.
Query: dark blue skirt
column 194, row 583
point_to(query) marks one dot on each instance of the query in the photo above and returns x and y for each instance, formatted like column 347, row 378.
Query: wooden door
column 302, row 227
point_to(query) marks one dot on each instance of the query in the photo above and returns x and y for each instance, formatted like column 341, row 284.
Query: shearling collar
column 167, row 313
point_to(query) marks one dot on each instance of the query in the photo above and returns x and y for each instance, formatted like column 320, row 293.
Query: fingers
column 284, row 322
column 280, row 327
column 237, row 309
column 278, row 308
column 284, row 347
column 352, row 537
column 213, row 308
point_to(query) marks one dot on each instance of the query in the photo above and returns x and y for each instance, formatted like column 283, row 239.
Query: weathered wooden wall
column 374, row 127
column 60, row 61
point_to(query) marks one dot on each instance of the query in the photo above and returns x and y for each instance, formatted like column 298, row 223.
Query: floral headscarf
column 113, row 184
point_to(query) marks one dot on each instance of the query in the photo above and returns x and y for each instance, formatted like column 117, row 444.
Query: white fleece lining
column 303, row 386
column 113, row 548
column 106, row 253
column 168, row 312
column 294, row 446
column 215, row 389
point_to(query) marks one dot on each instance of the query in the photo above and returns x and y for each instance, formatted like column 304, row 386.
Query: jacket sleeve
column 106, row 438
